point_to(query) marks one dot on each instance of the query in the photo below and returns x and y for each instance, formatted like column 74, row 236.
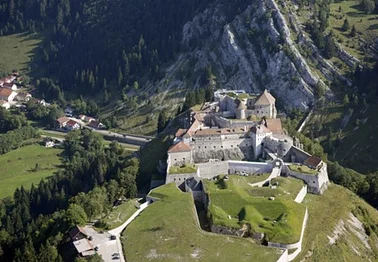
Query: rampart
column 297, row 245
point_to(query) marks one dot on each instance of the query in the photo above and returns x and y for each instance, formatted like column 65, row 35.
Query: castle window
column 174, row 179
column 183, row 158
column 205, row 147
column 313, row 182
column 232, row 145
column 209, row 138
column 221, row 146
column 175, row 159
column 215, row 147
column 199, row 147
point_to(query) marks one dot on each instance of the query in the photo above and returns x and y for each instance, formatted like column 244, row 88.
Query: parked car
column 113, row 237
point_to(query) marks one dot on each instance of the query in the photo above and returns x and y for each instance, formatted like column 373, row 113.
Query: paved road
column 51, row 133
column 117, row 231
column 130, row 139
column 107, row 247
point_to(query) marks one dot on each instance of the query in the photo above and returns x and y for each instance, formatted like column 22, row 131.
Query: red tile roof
column 179, row 147
column 4, row 92
column 94, row 124
column 260, row 129
column 63, row 119
column 71, row 123
column 8, row 85
column 312, row 161
column 274, row 125
column 265, row 99
column 180, row 132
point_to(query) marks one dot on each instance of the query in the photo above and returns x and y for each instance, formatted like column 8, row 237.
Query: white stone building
column 241, row 105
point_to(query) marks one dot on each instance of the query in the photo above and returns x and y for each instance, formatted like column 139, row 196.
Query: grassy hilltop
column 341, row 227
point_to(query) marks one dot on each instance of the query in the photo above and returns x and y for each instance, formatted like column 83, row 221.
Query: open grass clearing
column 232, row 206
column 17, row 167
column 17, row 51
column 366, row 25
column 119, row 214
column 168, row 230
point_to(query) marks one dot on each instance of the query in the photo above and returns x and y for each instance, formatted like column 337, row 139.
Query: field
column 325, row 213
column 366, row 25
column 356, row 148
column 17, row 51
column 17, row 167
column 168, row 230
column 280, row 219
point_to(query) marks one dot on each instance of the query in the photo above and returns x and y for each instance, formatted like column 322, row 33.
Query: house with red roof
column 4, row 104
column 7, row 94
column 67, row 124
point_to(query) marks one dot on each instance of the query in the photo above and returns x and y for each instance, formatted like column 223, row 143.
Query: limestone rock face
column 254, row 50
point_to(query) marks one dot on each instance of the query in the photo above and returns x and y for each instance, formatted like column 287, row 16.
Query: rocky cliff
column 261, row 47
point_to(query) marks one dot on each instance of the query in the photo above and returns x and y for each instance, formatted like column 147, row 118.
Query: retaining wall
column 180, row 178
column 276, row 172
column 250, row 167
column 284, row 257
column 301, row 195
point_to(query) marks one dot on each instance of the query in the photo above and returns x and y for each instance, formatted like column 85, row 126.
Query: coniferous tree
column 353, row 32
column 162, row 122
column 346, row 25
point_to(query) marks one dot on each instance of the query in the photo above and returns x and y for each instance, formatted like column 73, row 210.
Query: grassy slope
column 356, row 150
column 365, row 24
column 325, row 212
column 120, row 214
column 258, row 211
column 168, row 231
column 16, row 51
column 16, row 167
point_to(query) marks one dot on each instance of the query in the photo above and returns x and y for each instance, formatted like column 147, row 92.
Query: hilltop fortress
column 228, row 134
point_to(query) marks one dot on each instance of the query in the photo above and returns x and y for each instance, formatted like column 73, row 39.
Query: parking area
column 104, row 245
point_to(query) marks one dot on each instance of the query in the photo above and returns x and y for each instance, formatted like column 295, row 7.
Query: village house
column 96, row 124
column 10, row 86
column 23, row 96
column 80, row 240
column 7, row 95
column 72, row 125
column 4, row 104
column 48, row 142
column 68, row 111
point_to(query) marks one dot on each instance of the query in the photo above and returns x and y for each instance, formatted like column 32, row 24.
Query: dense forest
column 33, row 224
column 95, row 45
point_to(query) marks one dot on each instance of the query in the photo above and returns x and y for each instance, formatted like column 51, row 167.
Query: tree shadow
column 373, row 27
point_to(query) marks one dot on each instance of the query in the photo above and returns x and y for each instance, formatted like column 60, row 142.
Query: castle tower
column 240, row 111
